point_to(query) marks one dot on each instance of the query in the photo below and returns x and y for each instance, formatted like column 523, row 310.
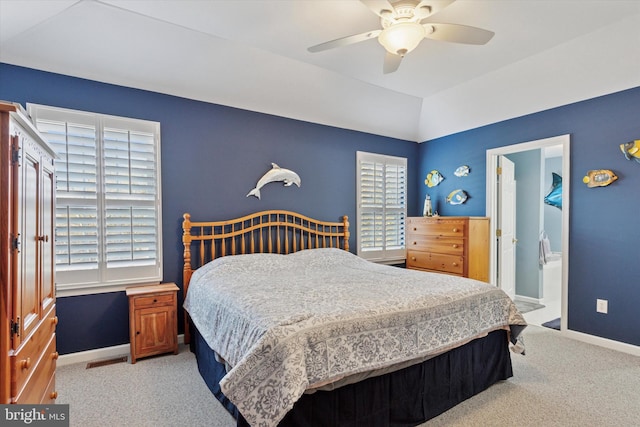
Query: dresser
column 153, row 322
column 449, row 244
column 28, row 301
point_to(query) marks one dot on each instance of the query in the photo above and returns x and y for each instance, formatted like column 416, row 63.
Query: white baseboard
column 99, row 354
column 603, row 342
column 527, row 299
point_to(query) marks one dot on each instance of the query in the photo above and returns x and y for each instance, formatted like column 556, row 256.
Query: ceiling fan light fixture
column 401, row 38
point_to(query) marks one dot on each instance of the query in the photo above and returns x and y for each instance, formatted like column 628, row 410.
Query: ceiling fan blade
column 344, row 41
column 457, row 33
column 391, row 62
column 377, row 6
column 430, row 7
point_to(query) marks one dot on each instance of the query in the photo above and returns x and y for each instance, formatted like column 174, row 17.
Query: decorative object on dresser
column 453, row 245
column 153, row 326
column 27, row 293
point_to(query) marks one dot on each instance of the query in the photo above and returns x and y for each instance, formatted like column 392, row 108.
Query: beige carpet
column 560, row 382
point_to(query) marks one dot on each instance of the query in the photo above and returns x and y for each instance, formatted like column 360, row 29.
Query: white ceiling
column 253, row 55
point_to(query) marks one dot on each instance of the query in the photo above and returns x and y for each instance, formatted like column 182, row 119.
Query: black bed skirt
column 406, row 397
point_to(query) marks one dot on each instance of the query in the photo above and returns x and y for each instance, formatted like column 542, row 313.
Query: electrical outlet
column 602, row 306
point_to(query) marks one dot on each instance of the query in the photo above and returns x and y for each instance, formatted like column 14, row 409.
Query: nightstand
column 153, row 326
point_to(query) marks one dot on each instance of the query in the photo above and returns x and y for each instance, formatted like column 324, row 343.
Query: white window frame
column 99, row 278
column 383, row 254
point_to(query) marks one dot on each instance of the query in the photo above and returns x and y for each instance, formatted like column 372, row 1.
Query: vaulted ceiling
column 253, row 55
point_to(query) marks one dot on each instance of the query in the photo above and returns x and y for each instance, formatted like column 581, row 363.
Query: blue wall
column 604, row 231
column 211, row 157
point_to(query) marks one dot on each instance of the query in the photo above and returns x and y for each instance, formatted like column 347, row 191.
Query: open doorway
column 516, row 258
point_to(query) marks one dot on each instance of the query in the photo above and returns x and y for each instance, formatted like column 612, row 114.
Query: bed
column 291, row 329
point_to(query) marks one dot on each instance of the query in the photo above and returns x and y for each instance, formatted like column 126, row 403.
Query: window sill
column 83, row 289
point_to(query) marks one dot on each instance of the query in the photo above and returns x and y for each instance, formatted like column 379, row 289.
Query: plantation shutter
column 381, row 183
column 107, row 198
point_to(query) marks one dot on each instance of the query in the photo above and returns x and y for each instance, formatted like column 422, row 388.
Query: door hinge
column 15, row 243
column 498, row 232
column 15, row 155
column 15, row 327
column 499, row 170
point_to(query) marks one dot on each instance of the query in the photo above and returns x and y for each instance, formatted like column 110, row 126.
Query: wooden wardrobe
column 27, row 304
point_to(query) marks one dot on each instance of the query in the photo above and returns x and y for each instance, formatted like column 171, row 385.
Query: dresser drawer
column 154, row 300
column 444, row 245
column 24, row 360
column 435, row 227
column 40, row 381
column 432, row 261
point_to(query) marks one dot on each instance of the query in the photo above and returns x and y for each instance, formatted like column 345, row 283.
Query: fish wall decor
column 631, row 150
column 554, row 198
column 599, row 178
column 433, row 178
column 457, row 197
column 275, row 174
column 461, row 171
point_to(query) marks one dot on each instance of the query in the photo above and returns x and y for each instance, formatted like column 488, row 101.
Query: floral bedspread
column 286, row 323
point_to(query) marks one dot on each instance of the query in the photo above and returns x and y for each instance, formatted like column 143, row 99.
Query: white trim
column 524, row 298
column 491, row 211
column 99, row 353
column 634, row 350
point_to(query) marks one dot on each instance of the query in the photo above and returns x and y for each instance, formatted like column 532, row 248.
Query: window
column 381, row 207
column 108, row 200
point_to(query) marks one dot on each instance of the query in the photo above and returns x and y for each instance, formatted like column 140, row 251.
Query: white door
column 507, row 226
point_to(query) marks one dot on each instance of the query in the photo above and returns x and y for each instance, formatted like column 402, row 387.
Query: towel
column 545, row 248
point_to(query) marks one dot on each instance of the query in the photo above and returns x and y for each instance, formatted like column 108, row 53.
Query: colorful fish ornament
column 631, row 150
column 433, row 178
column 599, row 178
column 554, row 198
column 462, row 171
column 457, row 197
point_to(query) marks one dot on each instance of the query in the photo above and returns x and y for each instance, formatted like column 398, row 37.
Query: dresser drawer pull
column 455, row 230
column 54, row 320
column 415, row 243
column 25, row 363
column 413, row 258
column 455, row 264
column 415, row 229
column 54, row 395
column 54, row 355
column 455, row 246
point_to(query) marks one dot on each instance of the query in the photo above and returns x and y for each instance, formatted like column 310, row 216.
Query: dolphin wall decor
column 275, row 174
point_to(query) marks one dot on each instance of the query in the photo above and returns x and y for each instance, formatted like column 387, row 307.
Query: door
column 507, row 226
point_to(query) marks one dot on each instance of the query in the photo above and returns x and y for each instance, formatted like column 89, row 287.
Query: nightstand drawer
column 154, row 300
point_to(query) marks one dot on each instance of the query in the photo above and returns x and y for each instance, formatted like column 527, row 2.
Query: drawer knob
column 415, row 243
column 415, row 229
column 455, row 264
column 54, row 320
column 155, row 300
column 25, row 363
column 455, row 246
column 413, row 258
column 54, row 355
column 455, row 230
column 54, row 395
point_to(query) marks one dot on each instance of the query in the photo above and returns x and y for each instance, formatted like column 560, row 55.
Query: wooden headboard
column 272, row 231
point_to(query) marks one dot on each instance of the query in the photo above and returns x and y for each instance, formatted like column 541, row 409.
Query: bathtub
column 552, row 278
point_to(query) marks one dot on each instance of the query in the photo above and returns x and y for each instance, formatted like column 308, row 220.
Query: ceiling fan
column 402, row 29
